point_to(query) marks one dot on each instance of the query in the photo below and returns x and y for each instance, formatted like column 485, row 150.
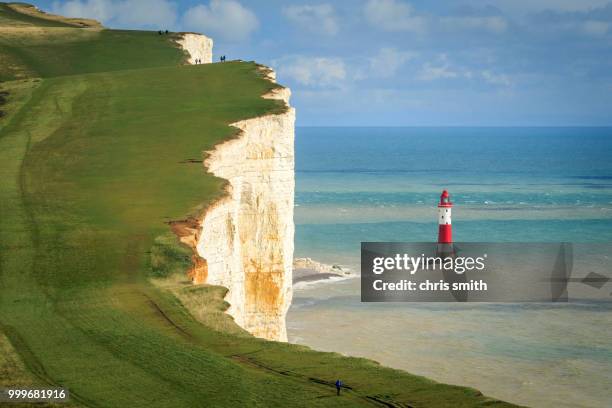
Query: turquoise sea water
column 508, row 184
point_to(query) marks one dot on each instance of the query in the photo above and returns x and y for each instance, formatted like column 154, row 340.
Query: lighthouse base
column 445, row 250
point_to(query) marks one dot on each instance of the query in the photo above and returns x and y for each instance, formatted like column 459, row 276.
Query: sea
column 515, row 184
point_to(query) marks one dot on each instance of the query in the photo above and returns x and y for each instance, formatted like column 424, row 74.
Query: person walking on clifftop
column 338, row 386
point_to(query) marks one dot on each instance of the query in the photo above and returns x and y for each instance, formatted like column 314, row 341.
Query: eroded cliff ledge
column 245, row 240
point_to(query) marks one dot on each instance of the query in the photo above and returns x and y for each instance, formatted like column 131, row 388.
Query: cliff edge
column 246, row 238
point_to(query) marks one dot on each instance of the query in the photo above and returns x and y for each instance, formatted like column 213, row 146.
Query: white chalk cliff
column 198, row 46
column 246, row 238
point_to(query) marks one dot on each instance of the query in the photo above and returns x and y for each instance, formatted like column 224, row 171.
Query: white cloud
column 312, row 71
column 496, row 79
column 522, row 7
column 594, row 22
column 388, row 61
column 590, row 28
column 101, row 10
column 441, row 69
column 494, row 24
column 122, row 13
column 227, row 19
column 316, row 18
column 393, row 15
column 147, row 13
column 431, row 72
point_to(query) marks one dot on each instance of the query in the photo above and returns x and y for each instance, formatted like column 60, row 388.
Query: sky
column 405, row 63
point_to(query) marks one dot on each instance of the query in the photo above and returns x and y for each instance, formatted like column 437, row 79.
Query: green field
column 99, row 148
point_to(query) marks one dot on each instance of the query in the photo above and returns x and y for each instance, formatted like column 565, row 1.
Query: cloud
column 393, row 15
column 146, row 13
column 123, row 13
column 595, row 22
column 487, row 18
column 495, row 79
column 315, row 18
column 388, row 61
column 227, row 19
column 100, row 10
column 494, row 24
column 441, row 69
column 533, row 6
column 431, row 72
column 312, row 71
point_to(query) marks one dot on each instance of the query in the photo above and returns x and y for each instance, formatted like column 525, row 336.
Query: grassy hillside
column 33, row 45
column 25, row 15
column 99, row 145
column 78, row 51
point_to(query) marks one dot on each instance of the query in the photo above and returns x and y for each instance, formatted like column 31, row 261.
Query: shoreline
column 323, row 317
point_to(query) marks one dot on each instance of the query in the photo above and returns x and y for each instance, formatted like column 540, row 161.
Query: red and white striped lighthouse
column 445, row 231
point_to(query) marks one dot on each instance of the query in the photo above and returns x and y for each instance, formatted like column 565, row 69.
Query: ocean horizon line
column 456, row 126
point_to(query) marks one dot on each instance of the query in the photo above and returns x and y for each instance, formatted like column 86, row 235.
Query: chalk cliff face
column 246, row 238
column 198, row 46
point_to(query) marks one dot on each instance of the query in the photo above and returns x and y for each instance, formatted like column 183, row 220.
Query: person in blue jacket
column 338, row 386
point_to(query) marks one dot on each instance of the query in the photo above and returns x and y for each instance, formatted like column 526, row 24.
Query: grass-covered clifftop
column 100, row 143
column 33, row 45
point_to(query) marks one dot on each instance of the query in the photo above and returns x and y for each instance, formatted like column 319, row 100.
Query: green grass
column 169, row 257
column 77, row 51
column 49, row 48
column 14, row 18
column 95, row 159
